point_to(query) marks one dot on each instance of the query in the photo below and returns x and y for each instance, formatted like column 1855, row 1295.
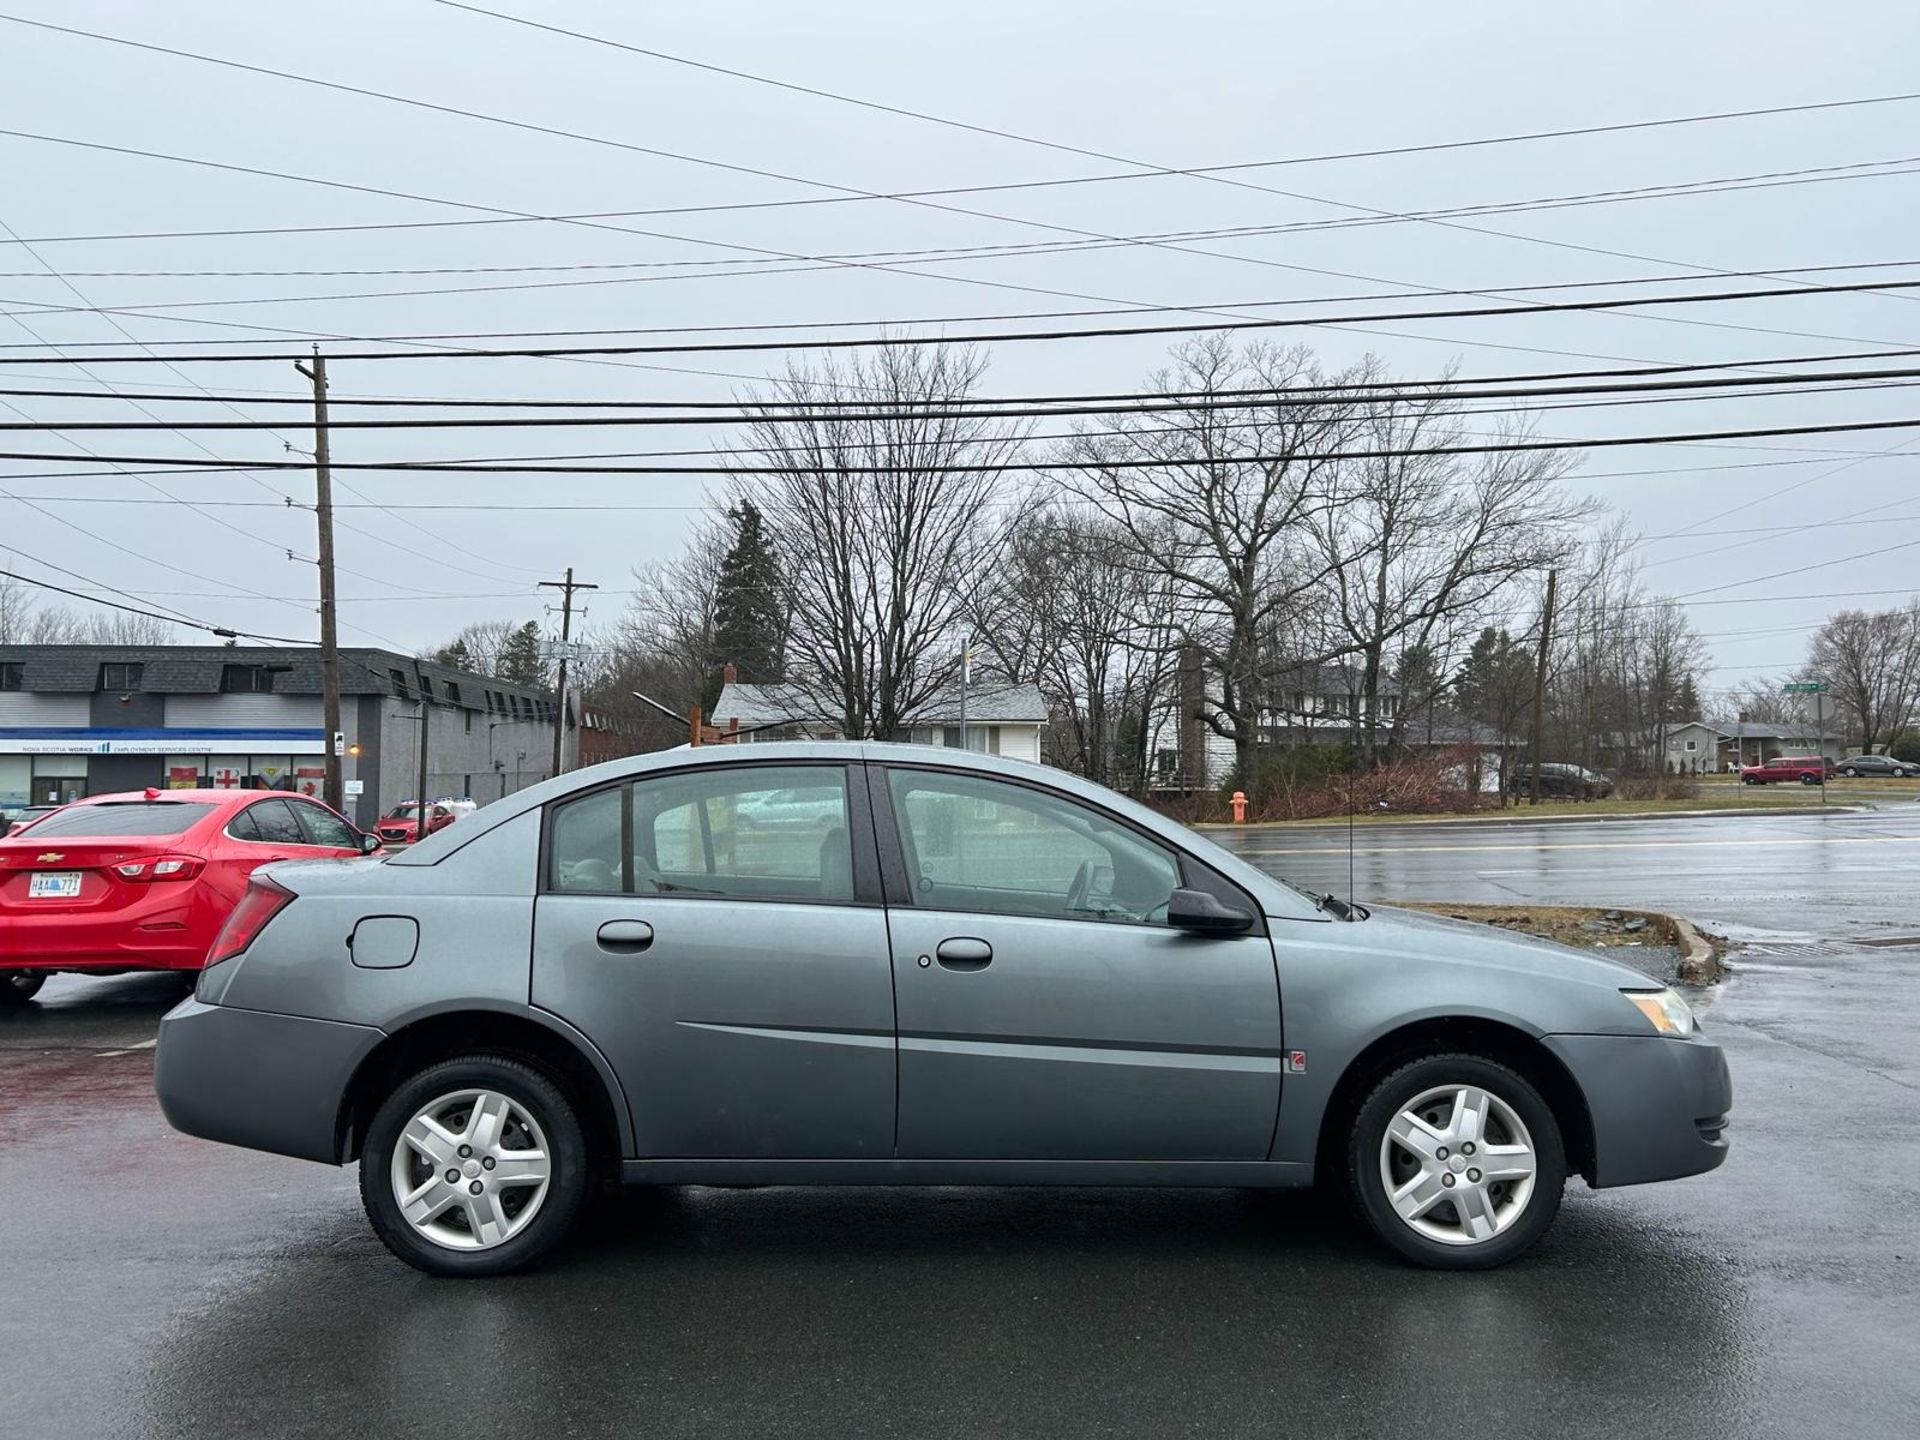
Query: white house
column 1001, row 719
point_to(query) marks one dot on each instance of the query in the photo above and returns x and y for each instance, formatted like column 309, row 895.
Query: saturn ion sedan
column 962, row 970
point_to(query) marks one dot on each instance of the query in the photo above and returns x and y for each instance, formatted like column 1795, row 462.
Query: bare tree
column 1415, row 540
column 1069, row 613
column 884, row 536
column 1871, row 662
column 16, row 605
column 23, row 622
column 1215, row 502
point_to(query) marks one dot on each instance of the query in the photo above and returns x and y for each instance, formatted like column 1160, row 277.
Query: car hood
column 1421, row 936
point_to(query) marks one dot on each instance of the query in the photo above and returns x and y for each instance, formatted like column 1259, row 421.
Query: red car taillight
column 160, row 867
column 262, row 901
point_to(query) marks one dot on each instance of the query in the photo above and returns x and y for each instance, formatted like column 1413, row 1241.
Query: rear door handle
column 963, row 952
column 625, row 937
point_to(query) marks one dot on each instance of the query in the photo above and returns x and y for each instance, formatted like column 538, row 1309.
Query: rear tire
column 451, row 1119
column 1426, row 1147
column 17, row 987
column 1851, row 773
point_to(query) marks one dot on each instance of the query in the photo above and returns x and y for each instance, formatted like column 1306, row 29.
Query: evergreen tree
column 455, row 656
column 749, row 629
column 520, row 658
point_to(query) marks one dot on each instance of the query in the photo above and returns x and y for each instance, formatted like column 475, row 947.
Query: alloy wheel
column 1458, row 1165
column 471, row 1169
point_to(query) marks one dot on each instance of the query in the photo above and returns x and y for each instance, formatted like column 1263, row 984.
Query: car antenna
column 1352, row 899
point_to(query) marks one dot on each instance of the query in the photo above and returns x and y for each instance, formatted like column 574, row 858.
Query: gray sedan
column 963, row 970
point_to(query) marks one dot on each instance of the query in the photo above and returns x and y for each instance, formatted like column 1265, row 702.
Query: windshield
column 123, row 817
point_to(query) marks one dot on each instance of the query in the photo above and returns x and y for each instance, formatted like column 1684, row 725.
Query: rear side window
column 322, row 827
column 275, row 822
column 736, row 833
column 129, row 817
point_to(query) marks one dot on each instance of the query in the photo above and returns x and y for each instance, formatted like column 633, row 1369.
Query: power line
column 226, row 632
column 1108, row 156
column 753, row 266
column 1279, row 398
column 1007, row 337
column 1035, row 466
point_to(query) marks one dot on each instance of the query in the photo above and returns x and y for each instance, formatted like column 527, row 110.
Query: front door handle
column 625, row 937
column 964, row 953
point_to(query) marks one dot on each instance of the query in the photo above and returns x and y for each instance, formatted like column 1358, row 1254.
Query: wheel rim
column 471, row 1170
column 1458, row 1165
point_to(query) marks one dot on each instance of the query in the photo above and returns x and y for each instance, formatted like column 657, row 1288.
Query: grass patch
column 1581, row 926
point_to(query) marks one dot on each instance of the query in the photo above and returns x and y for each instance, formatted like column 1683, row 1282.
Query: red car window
column 322, row 827
column 276, row 823
column 123, row 817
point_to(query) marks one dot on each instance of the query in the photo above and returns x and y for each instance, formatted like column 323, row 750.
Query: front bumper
column 1658, row 1105
column 266, row 1082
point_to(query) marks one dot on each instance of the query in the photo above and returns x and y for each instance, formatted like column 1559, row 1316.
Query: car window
column 322, row 827
column 129, row 818
column 986, row 845
column 275, row 823
column 743, row 833
column 585, row 843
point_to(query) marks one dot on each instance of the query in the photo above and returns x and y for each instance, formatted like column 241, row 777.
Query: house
column 78, row 720
column 1001, row 718
column 1712, row 745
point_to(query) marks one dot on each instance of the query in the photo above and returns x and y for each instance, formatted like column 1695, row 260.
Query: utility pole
column 566, row 588
column 1540, row 683
column 420, row 796
column 331, row 790
column 966, row 675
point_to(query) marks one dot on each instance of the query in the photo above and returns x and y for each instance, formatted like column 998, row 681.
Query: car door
column 1046, row 1009
column 733, row 973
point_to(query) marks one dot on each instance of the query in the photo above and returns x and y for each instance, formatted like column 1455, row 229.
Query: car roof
column 193, row 797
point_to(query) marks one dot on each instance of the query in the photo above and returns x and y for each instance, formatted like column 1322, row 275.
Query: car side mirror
column 1203, row 913
column 371, row 843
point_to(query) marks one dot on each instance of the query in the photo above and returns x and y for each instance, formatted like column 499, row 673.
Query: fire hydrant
column 1239, row 807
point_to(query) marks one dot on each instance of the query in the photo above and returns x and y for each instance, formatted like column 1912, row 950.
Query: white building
column 1001, row 719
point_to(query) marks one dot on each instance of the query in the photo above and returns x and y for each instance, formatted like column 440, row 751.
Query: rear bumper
column 266, row 1082
column 1659, row 1106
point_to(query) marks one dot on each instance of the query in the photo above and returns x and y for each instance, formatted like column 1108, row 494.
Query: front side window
column 322, row 827
column 246, row 680
column 991, row 847
column 13, row 675
column 122, row 677
column 736, row 833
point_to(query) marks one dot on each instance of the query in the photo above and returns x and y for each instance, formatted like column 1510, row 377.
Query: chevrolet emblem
column 49, row 857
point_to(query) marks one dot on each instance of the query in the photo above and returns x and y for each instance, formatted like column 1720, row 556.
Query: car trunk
column 77, row 875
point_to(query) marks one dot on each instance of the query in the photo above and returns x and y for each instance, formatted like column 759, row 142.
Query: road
column 159, row 1286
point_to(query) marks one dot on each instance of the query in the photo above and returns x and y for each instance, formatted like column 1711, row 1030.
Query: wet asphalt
column 153, row 1285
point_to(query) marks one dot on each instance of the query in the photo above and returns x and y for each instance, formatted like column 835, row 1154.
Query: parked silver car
column 970, row 971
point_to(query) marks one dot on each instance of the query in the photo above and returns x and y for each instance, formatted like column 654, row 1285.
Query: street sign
column 339, row 742
column 1806, row 687
column 353, row 787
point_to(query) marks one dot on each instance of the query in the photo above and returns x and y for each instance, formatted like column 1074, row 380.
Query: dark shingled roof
column 195, row 670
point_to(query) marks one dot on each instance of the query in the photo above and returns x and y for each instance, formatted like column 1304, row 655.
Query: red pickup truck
column 1807, row 769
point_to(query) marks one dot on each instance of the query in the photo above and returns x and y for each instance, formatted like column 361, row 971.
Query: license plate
column 53, row 885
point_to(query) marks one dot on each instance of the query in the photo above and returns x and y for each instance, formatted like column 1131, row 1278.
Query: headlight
column 1664, row 1010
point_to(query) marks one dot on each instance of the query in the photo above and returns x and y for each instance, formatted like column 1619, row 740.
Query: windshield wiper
column 1340, row 908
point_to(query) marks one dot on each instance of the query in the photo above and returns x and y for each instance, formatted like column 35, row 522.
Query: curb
column 1612, row 817
column 1698, row 964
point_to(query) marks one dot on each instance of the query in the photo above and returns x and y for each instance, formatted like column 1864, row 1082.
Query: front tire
column 1456, row 1162
column 1851, row 773
column 474, row 1166
column 17, row 987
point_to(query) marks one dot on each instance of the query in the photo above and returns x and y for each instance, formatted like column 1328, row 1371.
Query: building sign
column 226, row 779
column 96, row 740
column 183, row 777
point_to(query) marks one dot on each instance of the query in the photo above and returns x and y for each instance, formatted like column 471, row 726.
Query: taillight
column 160, row 867
column 262, row 901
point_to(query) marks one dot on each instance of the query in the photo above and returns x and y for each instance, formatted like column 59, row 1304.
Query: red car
column 145, row 880
column 1807, row 769
column 403, row 825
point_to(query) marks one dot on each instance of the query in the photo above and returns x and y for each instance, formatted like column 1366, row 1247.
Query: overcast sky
column 1207, row 82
